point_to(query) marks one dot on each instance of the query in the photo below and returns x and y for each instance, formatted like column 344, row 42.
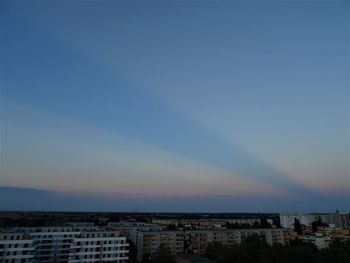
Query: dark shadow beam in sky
column 85, row 91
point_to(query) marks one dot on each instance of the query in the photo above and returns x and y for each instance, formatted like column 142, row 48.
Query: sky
column 195, row 106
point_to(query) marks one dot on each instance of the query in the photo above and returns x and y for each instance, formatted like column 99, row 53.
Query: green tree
column 255, row 249
column 214, row 249
column 163, row 255
column 132, row 251
column 318, row 223
column 297, row 226
column 171, row 227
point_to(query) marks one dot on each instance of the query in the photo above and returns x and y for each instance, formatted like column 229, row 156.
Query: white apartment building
column 208, row 223
column 333, row 219
column 63, row 244
column 98, row 247
column 52, row 244
column 287, row 220
column 319, row 240
column 345, row 221
column 15, row 248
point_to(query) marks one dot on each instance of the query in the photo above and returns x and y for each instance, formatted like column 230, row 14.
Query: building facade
column 63, row 245
column 337, row 220
column 182, row 242
column 16, row 248
column 98, row 247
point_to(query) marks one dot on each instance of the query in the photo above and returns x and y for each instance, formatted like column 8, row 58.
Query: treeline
column 255, row 249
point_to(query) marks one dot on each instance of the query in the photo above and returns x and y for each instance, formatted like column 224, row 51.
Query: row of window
column 11, row 237
column 25, row 245
column 100, row 235
column 54, row 236
column 14, row 253
column 100, row 256
column 54, row 230
column 22, row 260
column 80, row 243
column 95, row 249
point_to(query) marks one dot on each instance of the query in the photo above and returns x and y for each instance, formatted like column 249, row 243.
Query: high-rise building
column 63, row 245
column 16, row 247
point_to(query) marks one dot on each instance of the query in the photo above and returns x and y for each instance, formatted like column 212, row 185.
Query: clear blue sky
column 190, row 105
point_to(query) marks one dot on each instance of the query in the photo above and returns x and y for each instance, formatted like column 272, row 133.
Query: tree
column 132, row 251
column 297, row 226
column 264, row 223
column 171, row 227
column 256, row 224
column 146, row 258
column 214, row 249
column 255, row 249
column 254, row 245
column 318, row 223
column 163, row 255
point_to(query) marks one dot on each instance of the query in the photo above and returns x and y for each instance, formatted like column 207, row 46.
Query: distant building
column 345, row 221
column 131, row 229
column 287, row 220
column 334, row 219
column 208, row 223
column 80, row 224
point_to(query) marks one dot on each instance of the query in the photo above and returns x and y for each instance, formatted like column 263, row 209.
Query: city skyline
column 176, row 106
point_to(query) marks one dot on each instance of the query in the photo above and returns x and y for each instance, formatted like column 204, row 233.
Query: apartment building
column 319, row 240
column 333, row 219
column 63, row 244
column 16, row 248
column 131, row 229
column 204, row 224
column 287, row 220
column 345, row 221
column 98, row 247
column 149, row 241
column 52, row 244
column 181, row 242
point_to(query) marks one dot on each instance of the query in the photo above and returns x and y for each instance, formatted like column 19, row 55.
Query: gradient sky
column 189, row 105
